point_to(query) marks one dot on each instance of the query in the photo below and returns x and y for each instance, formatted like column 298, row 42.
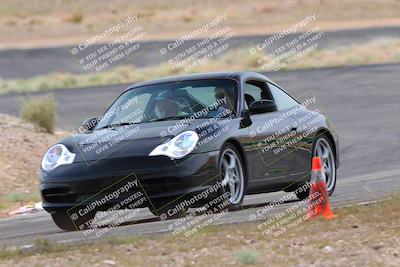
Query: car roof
column 237, row 75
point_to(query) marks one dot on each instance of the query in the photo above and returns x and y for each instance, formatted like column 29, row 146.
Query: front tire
column 323, row 148
column 233, row 178
column 64, row 221
column 166, row 211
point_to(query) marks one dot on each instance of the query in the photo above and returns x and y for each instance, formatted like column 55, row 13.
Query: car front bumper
column 158, row 179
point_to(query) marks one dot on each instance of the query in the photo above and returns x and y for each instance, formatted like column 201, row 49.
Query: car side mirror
column 262, row 106
column 89, row 123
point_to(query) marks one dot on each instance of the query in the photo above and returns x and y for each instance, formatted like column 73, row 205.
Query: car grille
column 58, row 195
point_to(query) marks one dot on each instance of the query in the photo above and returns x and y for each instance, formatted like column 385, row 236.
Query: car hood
column 132, row 132
column 125, row 141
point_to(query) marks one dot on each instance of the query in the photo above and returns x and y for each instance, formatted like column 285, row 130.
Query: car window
column 205, row 95
column 199, row 99
column 128, row 108
column 255, row 91
column 282, row 100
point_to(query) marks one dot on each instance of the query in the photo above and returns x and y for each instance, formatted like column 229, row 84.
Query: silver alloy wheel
column 232, row 170
column 324, row 151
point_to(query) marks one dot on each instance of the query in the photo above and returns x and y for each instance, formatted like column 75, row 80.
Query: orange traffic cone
column 319, row 197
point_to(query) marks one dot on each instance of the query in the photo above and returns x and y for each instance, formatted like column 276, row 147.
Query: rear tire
column 64, row 221
column 323, row 148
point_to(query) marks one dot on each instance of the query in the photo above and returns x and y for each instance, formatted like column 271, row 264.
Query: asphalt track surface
column 13, row 62
column 361, row 101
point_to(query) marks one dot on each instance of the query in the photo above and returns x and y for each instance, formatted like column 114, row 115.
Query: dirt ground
column 21, row 148
column 43, row 23
column 366, row 235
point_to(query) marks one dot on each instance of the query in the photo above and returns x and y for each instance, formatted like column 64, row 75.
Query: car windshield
column 196, row 99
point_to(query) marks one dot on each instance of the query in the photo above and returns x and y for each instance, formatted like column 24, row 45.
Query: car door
column 270, row 157
column 300, row 153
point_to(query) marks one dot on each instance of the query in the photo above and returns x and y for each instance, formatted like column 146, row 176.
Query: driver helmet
column 165, row 106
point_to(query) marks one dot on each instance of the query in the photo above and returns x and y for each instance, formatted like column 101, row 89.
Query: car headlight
column 57, row 155
column 177, row 147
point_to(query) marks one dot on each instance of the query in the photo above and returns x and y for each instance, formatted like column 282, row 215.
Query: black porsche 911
column 176, row 143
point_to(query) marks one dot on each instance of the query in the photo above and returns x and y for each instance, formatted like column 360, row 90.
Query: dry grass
column 375, row 51
column 75, row 17
column 40, row 112
column 359, row 236
column 61, row 23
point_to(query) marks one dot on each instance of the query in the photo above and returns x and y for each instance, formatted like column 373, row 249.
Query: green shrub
column 40, row 112
column 15, row 197
column 246, row 256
